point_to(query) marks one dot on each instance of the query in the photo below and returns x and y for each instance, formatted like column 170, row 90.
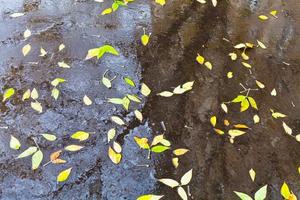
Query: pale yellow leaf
column 230, row 75
column 37, row 106
column 36, row 159
column 145, row 90
column 287, row 129
column 233, row 56
column 260, row 84
column 43, row 52
column 214, row 2
column 14, row 143
column 208, row 65
column 138, row 115
column 169, row 182
column 26, row 49
column 179, row 152
column 87, row 101
column 261, row 45
column 256, row 119
column 61, row 47
column 247, row 65
column 274, row 92
column 34, row 94
column 235, row 132
column 15, row 15
column 117, row 120
column 111, row 134
column 224, row 107
column 63, row 65
column 165, row 94
column 186, row 178
column 117, row 147
column 73, row 147
column 27, row 33
column 252, row 174
column 181, row 192
column 175, row 162
column 26, row 95
column 49, row 137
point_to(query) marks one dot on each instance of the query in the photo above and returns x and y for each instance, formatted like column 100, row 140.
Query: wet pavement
column 180, row 30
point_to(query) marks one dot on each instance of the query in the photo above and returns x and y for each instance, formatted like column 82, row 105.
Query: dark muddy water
column 180, row 30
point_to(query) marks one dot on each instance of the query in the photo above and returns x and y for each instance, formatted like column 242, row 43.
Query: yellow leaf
column 87, row 101
column 186, row 178
column 260, row 84
column 138, row 115
column 160, row 2
column 61, row 47
column 179, row 152
column 175, row 162
column 230, row 75
column 64, row 175
column 252, row 174
column 34, row 94
column 106, row 11
column 285, row 191
column 252, row 103
column 27, row 33
column 224, row 107
column 36, row 159
column 73, row 147
column 246, row 65
column 26, row 95
column 244, row 105
column 26, row 49
column 249, row 45
column 111, row 134
column 235, row 132
column 245, row 56
column 277, row 114
column 142, row 142
column 233, row 56
column 213, row 121
column 273, row 13
column 43, row 52
column 208, row 65
column 242, row 126
column 37, row 106
column 263, row 17
column 219, row 131
column 92, row 53
column 145, row 39
column 145, row 90
column 8, row 93
column 117, row 120
column 287, row 129
column 55, row 93
column 80, row 135
column 49, row 137
column 14, row 143
column 63, row 65
column 256, row 119
column 114, row 157
column 150, row 197
column 226, row 122
column 274, row 92
column 200, row 59
column 261, row 45
column 240, row 46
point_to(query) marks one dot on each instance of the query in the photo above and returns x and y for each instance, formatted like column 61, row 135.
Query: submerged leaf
column 107, row 49
column 55, row 93
column 107, row 11
column 34, row 94
column 63, row 65
column 106, row 82
column 129, row 81
column 111, row 134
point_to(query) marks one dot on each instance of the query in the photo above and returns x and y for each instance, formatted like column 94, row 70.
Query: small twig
column 188, row 190
column 47, row 163
column 142, row 165
column 36, row 143
column 149, row 154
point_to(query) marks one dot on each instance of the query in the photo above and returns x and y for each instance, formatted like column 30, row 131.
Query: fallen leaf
column 34, row 94
column 64, row 175
column 219, row 131
column 37, row 106
column 43, row 52
column 117, row 120
column 49, row 137
column 55, row 93
column 169, row 182
column 229, row 75
column 256, row 119
column 63, row 65
column 247, row 65
column 106, row 82
column 129, row 81
column 8, row 93
column 117, row 147
column 142, row 142
column 145, row 39
column 138, row 115
column 241, row 126
column 233, row 55
column 80, row 135
column 15, row 15
column 26, row 49
column 224, row 107
column 252, row 174
column 37, row 159
column 186, row 178
column 260, row 84
column 213, row 121
column 274, row 92
column 181, row 192
column 261, row 194
column 200, row 59
column 263, row 17
column 235, row 132
column 111, row 134
column 14, row 143
column 175, row 162
column 145, row 90
column 287, row 129
column 61, row 47
column 273, row 13
column 28, row 152
column 208, row 65
column 106, row 11
column 159, row 148
column 214, row 2
column 26, row 95
column 57, row 81
column 87, row 101
column 243, row 196
column 160, row 2
column 165, row 94
column 150, row 197
column 252, row 102
column 27, row 33
column 114, row 157
column 285, row 191
column 179, row 152
column 73, row 147
column 261, row 45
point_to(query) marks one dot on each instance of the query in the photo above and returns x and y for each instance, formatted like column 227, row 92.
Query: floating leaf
column 8, row 93
column 243, row 196
column 37, row 106
column 145, row 90
column 261, row 194
column 26, row 49
column 92, row 53
column 117, row 120
column 129, row 81
column 287, row 129
column 43, row 52
column 256, row 119
column 186, row 178
column 27, row 33
column 73, row 147
column 263, row 17
column 179, row 152
column 80, row 135
column 240, row 46
column 14, row 143
column 63, row 65
column 55, row 93
column 138, row 115
column 114, row 157
column 55, row 155
column 285, row 191
column 26, row 95
column 235, row 132
column 34, row 94
column 169, row 182
column 15, row 15
column 28, row 152
column 142, row 142
column 200, row 59
column 244, row 105
column 160, row 2
column 245, row 56
column 61, row 47
column 252, row 174
column 239, row 98
column 226, row 122
column 159, row 148
column 150, row 197
column 181, row 192
column 242, row 126
column 64, row 175
column 49, row 137
column 57, row 81
column 111, row 134
column 165, row 94
column 87, row 101
column 117, row 101
column 106, row 82
column 107, row 11
column 37, row 159
column 213, row 121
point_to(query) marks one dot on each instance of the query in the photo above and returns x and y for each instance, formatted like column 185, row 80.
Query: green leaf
column 129, row 81
column 8, row 93
column 115, row 6
column 243, row 196
column 159, row 148
column 14, row 143
column 133, row 98
column 261, row 194
column 285, row 191
column 239, row 98
column 64, row 175
column 126, row 103
column 80, row 135
column 28, row 152
column 117, row 101
column 37, row 159
column 107, row 11
column 49, row 137
column 252, row 103
column 150, row 197
column 107, row 49
column 244, row 105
